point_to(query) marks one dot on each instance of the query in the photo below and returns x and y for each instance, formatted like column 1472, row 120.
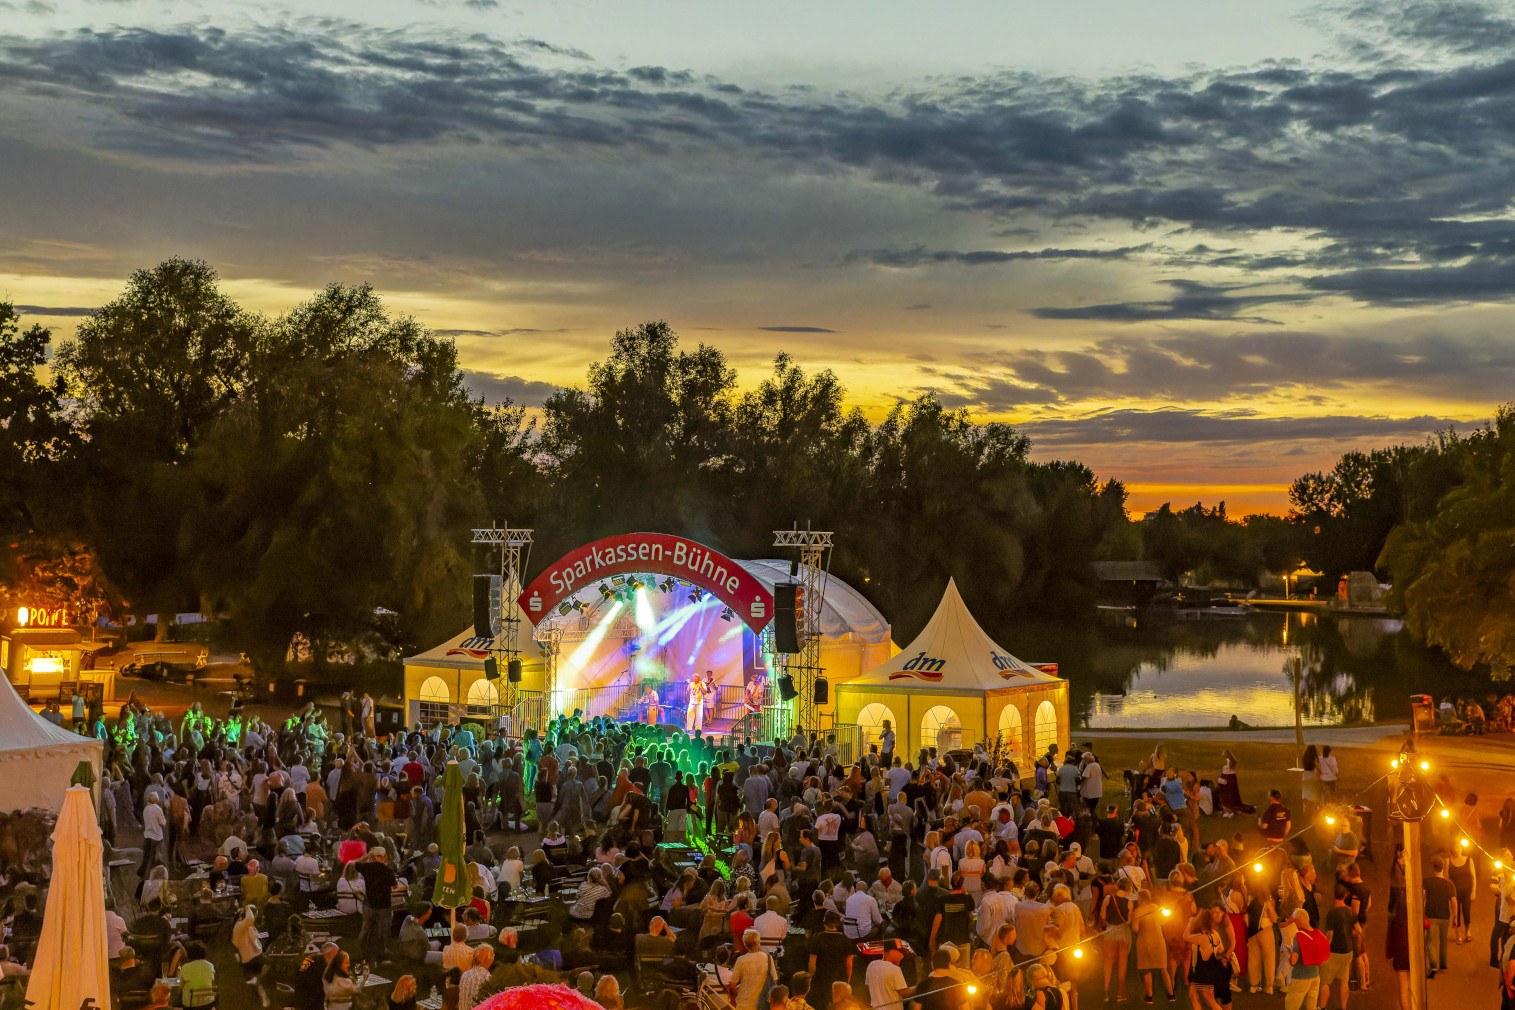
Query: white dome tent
column 38, row 759
column 953, row 686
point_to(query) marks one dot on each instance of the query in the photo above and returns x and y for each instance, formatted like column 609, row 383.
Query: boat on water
column 1220, row 606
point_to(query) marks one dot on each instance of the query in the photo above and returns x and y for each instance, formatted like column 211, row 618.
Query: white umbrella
column 71, row 965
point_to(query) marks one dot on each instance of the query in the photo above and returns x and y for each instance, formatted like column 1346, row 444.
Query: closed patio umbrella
column 452, row 890
column 71, row 965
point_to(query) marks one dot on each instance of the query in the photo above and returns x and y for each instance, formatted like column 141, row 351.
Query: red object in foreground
column 539, row 997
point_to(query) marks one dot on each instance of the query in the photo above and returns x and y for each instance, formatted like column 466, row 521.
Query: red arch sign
column 655, row 553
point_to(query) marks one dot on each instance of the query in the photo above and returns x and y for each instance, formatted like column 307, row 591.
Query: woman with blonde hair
column 607, row 993
column 403, row 996
column 971, row 866
column 774, row 856
column 713, row 911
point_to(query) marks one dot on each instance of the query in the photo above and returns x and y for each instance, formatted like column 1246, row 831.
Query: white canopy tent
column 954, row 686
column 38, row 759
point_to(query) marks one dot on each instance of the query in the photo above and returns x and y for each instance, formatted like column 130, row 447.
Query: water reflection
column 1152, row 670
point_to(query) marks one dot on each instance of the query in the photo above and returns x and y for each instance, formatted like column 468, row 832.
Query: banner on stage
column 652, row 553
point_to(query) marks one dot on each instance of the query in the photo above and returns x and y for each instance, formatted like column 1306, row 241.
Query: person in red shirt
column 741, row 921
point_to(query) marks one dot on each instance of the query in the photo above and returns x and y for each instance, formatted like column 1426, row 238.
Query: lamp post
column 1409, row 801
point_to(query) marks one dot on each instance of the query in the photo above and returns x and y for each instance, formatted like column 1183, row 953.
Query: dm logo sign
column 921, row 666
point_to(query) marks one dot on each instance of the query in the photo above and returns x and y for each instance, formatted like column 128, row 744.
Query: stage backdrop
column 650, row 553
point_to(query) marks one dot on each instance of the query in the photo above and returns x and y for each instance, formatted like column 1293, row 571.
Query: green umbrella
column 453, row 890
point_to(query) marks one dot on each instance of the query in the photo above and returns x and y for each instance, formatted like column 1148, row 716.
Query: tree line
column 317, row 473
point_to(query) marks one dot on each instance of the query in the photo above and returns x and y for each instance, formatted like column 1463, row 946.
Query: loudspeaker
column 787, row 690
column 786, row 636
column 513, row 671
column 822, row 691
column 482, row 625
column 491, row 669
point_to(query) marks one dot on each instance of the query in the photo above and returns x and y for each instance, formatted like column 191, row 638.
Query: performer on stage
column 653, row 706
column 694, row 715
column 753, row 702
column 710, row 693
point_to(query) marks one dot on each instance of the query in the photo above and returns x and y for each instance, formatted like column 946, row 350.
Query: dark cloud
column 495, row 388
column 1170, row 425
column 1206, row 367
column 920, row 256
column 1378, row 173
column 53, row 310
column 795, row 329
column 517, row 331
column 1194, row 300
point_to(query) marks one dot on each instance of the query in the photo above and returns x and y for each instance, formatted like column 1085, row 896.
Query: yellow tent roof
column 953, row 653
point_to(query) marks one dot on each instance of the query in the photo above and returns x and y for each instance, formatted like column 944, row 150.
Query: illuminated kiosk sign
column 652, row 553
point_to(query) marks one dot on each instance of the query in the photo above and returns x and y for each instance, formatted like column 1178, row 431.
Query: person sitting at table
column 606, row 850
column 158, row 996
column 657, row 942
column 775, row 887
column 130, row 979
column 771, row 925
column 254, row 884
column 350, row 890
column 152, row 934
column 155, row 887
column 337, row 984
column 590, row 894
column 676, row 895
column 511, row 868
column 413, row 942
column 480, row 904
column 474, row 978
column 543, row 873
column 403, row 995
column 554, row 842
column 477, row 928
column 237, row 866
column 741, row 920
column 457, row 955
column 479, row 851
column 482, row 879
column 197, row 977
column 607, row 993
column 432, row 860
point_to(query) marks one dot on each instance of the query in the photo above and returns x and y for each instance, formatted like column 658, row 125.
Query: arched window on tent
column 871, row 720
column 1010, row 732
column 942, row 729
column 1046, row 727
column 483, row 697
column 435, row 698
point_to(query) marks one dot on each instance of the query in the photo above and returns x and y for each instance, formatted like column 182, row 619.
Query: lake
column 1153, row 670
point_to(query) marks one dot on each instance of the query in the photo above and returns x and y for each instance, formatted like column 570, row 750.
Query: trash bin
column 1422, row 714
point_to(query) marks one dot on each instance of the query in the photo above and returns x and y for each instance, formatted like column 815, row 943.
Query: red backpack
column 1314, row 947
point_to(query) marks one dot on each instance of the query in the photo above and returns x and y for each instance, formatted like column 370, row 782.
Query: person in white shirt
column 1329, row 769
column 886, row 890
column 299, row 778
column 1091, row 783
column 771, row 926
column 768, row 820
column 887, row 989
column 115, row 934
column 996, row 908
column 154, row 823
column 861, row 917
column 512, row 867
column 899, row 777
column 751, row 972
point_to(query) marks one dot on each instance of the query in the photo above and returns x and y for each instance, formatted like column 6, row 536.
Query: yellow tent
column 955, row 687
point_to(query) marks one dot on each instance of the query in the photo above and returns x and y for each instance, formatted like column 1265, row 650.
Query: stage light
column 1078, row 952
column 1330, row 821
column 666, row 585
column 1445, row 813
column 696, row 594
column 1167, row 912
column 564, row 607
column 1425, row 766
column 727, row 614
column 1394, row 764
column 1464, row 843
column 605, row 591
column 972, row 989
column 1498, row 865
column 1257, row 867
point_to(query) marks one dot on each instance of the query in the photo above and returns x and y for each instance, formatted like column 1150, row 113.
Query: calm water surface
column 1152, row 670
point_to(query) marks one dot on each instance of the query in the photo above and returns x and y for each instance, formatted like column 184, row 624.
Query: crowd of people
column 785, row 875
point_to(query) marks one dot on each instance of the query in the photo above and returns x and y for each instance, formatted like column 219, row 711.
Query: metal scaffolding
column 515, row 554
column 811, row 574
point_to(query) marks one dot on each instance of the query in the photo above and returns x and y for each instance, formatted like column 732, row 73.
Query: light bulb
column 1078, row 952
column 1464, row 842
column 1257, row 867
column 1167, row 912
column 1394, row 763
column 972, row 990
column 1425, row 766
column 1330, row 821
column 1498, row 865
column 1445, row 813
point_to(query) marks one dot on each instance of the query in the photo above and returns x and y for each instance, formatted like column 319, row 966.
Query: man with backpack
column 1307, row 953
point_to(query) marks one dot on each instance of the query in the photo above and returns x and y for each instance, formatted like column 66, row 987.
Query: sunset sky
column 1202, row 247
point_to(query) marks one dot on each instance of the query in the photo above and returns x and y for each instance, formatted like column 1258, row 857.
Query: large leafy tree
column 337, row 487
column 35, row 432
column 150, row 373
column 637, row 448
column 1454, row 571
